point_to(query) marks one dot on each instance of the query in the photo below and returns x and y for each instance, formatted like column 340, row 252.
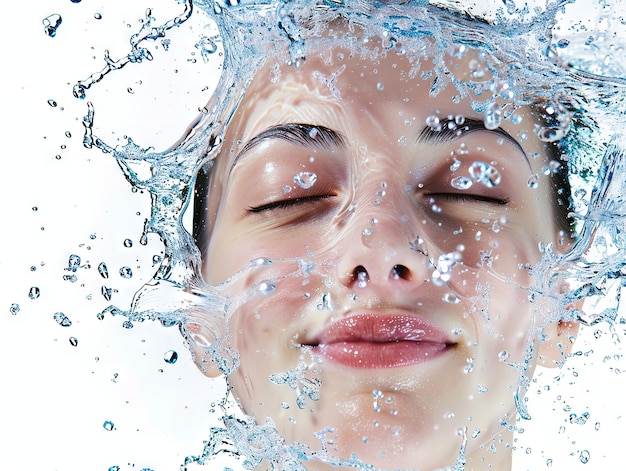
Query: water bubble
column 62, row 319
column 461, row 183
column 170, row 357
column 51, row 24
column 287, row 189
column 533, row 181
column 73, row 341
column 584, row 456
column 126, row 272
column 362, row 279
column 305, row 179
column 433, row 123
column 128, row 243
column 73, row 263
column 14, row 309
column 34, row 292
column 108, row 426
column 488, row 175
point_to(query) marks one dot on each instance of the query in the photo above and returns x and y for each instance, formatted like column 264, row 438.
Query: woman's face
column 400, row 256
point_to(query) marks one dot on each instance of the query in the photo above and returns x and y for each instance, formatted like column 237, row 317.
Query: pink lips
column 379, row 341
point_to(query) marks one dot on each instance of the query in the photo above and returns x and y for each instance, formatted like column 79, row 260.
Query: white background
column 55, row 397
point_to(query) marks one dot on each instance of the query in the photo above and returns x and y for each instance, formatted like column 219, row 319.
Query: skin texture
column 362, row 244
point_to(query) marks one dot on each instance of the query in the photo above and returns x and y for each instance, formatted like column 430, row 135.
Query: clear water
column 528, row 49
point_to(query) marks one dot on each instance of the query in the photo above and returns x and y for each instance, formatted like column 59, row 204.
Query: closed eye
column 286, row 204
column 468, row 197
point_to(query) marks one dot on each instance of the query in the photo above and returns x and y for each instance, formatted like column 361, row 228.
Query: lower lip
column 364, row 354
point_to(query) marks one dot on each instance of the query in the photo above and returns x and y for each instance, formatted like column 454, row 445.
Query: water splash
column 177, row 287
column 137, row 53
column 51, row 24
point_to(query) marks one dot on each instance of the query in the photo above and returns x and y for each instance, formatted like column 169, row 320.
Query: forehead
column 383, row 92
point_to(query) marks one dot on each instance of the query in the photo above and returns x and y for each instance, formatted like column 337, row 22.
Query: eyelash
column 472, row 198
column 286, row 204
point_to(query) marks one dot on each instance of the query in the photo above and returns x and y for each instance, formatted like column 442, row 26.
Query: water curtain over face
column 383, row 214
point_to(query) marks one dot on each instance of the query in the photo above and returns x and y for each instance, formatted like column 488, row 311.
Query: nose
column 382, row 253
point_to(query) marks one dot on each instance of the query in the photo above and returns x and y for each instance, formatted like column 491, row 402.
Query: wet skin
column 357, row 304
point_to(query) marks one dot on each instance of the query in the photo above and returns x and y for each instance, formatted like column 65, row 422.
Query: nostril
column 400, row 272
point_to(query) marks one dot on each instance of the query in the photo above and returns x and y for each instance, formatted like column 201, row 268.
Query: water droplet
column 584, row 456
column 265, row 287
column 107, row 293
column 533, row 181
column 70, row 278
column 488, row 175
column 402, row 141
column 73, row 341
column 456, row 164
column 97, row 16
column 103, row 270
column 62, row 319
column 14, row 309
column 433, row 123
column 108, row 426
column 380, row 86
column 305, row 179
column 482, row 389
column 461, row 183
column 451, row 298
column 33, row 292
column 170, row 357
column 503, row 355
column 156, row 259
column 126, row 272
column 128, row 243
column 73, row 263
column 52, row 103
column 51, row 24
column 287, row 188
column 493, row 116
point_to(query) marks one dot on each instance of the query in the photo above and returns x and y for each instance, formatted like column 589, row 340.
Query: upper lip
column 380, row 328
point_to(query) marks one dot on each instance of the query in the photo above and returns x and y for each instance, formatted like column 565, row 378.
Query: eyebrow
column 306, row 135
column 449, row 130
